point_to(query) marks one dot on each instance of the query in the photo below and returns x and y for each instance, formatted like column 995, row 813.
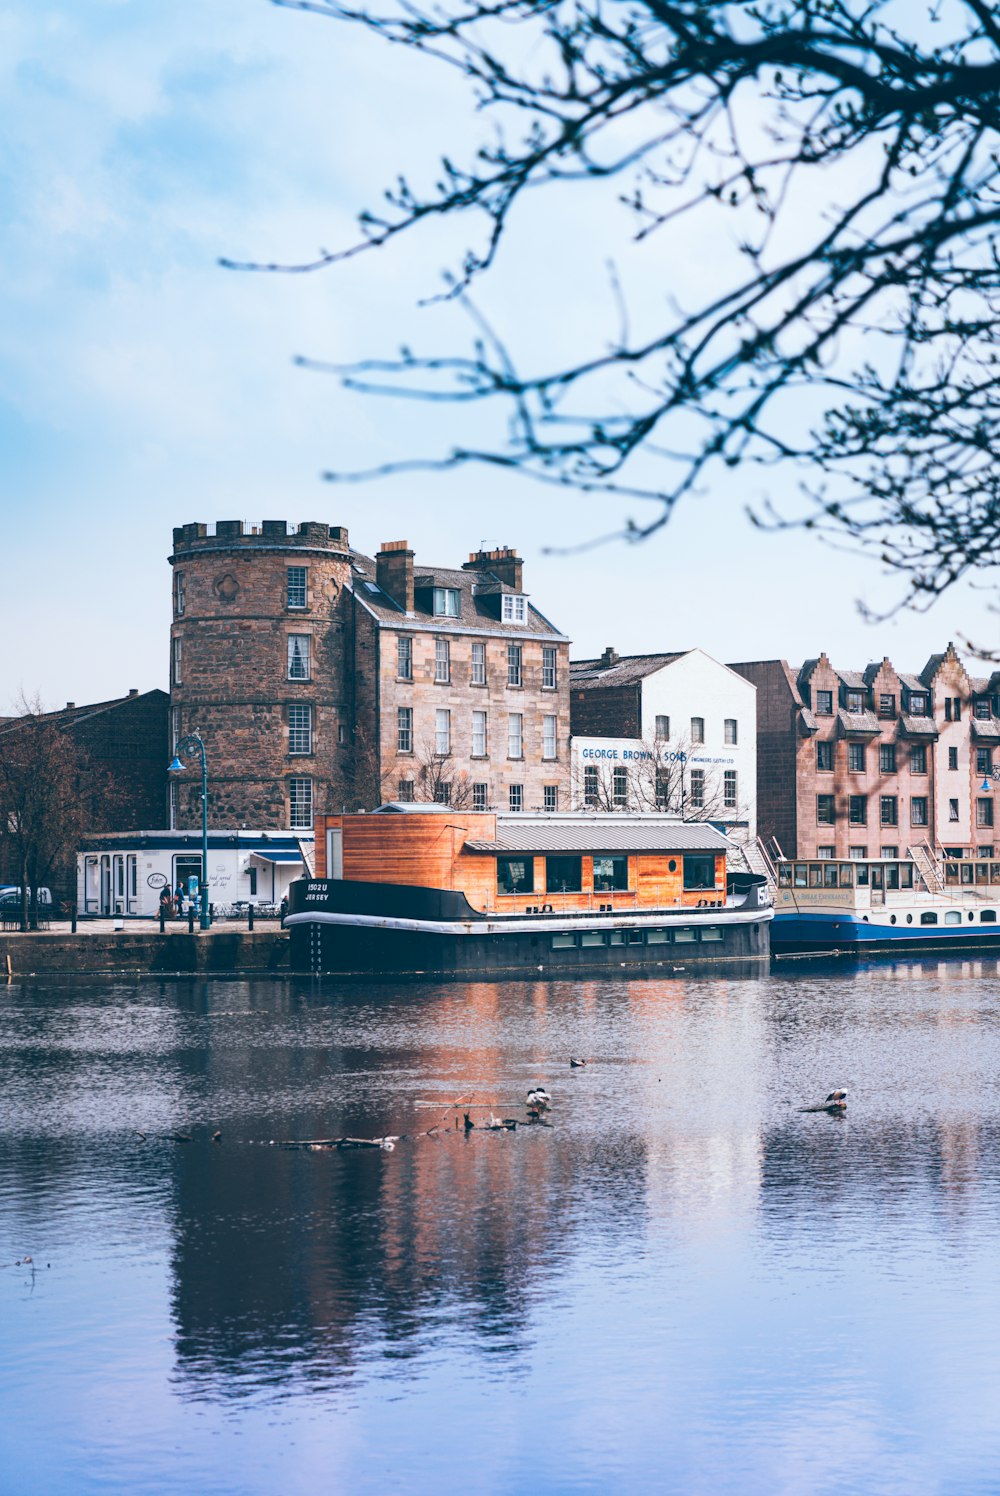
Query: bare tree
column 437, row 780
column 883, row 306
column 659, row 776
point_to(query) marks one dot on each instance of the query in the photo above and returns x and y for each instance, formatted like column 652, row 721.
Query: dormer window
column 445, row 602
column 513, row 608
column 855, row 702
column 918, row 704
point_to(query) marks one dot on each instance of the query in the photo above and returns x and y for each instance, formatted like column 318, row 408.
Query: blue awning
column 270, row 856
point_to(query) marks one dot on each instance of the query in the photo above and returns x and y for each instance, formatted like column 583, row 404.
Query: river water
column 684, row 1284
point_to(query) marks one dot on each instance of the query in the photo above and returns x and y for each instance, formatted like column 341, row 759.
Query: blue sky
column 141, row 386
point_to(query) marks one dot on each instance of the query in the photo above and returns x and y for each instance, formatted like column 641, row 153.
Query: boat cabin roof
column 603, row 833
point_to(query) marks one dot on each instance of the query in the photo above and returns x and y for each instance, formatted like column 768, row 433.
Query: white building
column 671, row 732
column 123, row 872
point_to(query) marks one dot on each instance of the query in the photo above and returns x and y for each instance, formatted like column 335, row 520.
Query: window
column 515, row 875
column 953, row 709
column 729, row 788
column 515, row 735
column 442, row 661
column 984, row 761
column 175, row 724
column 550, row 676
column 404, row 790
column 515, row 797
column 480, row 796
column 953, row 810
column 699, row 870
column 479, row 664
column 663, row 789
column 918, row 704
column 697, row 729
column 404, row 657
column 918, row 759
column 178, row 660
column 514, row 676
column 886, row 705
column 442, row 732
column 857, row 854
column 300, row 727
column 296, row 593
column 513, row 608
column 984, row 812
column 590, row 785
column 479, row 723
column 663, row 729
column 928, row 917
column 981, row 708
column 300, row 801
column 404, row 729
column 298, row 656
column 619, row 788
column 179, row 600
column 563, row 874
column 442, row 793
column 856, row 758
column 887, row 758
column 550, row 797
column 889, row 810
column 889, row 852
column 953, row 758
column 824, row 703
column 857, row 810
column 445, row 602
column 827, row 854
column 825, row 813
column 918, row 811
column 698, row 789
column 730, row 731
column 824, row 757
column 855, row 702
column 548, row 737
column 252, row 875
column 610, row 874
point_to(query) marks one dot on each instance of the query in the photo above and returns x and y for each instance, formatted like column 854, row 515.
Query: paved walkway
column 134, row 926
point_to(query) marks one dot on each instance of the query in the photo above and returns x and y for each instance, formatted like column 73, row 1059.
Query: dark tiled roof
column 912, row 682
column 72, row 716
column 808, row 720
column 853, row 680
column 919, row 727
column 989, row 729
column 608, row 833
column 863, row 722
column 587, row 674
column 477, row 600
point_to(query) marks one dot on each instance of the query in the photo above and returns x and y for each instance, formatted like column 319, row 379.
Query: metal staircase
column 926, row 864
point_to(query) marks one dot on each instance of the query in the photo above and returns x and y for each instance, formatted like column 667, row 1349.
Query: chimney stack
column 504, row 563
column 394, row 572
column 610, row 656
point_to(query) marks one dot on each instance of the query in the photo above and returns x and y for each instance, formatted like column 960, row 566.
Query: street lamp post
column 188, row 745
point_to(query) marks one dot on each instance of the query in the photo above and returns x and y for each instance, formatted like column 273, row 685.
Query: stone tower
column 260, row 641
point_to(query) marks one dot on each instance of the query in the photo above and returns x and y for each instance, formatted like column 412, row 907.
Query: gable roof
column 625, row 671
column 478, row 610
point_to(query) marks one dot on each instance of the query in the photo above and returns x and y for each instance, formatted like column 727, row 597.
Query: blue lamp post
column 188, row 745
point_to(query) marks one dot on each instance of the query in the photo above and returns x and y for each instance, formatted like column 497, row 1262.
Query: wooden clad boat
column 426, row 890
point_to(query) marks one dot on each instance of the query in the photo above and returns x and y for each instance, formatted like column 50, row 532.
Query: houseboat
column 420, row 890
column 919, row 902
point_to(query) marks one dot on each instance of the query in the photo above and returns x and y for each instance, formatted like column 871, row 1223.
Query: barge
column 917, row 903
column 419, row 891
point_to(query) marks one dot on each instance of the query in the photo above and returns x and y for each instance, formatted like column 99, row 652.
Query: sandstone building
column 320, row 678
column 870, row 763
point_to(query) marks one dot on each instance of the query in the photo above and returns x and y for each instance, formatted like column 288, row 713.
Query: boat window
column 610, row 873
column 515, row 875
column 830, row 876
column 617, row 937
column 906, row 875
column 657, row 937
column 862, row 875
column 684, row 937
column 710, row 933
column 562, row 941
column 815, row 875
column 801, row 875
column 592, row 937
column 784, row 876
column 928, row 917
column 982, row 872
column 633, row 937
column 563, row 874
column 892, row 876
column 846, row 875
column 699, row 870
column 952, row 917
column 988, row 917
column 909, row 919
column 951, row 872
column 967, row 872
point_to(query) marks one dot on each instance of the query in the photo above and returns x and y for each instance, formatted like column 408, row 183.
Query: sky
column 143, row 387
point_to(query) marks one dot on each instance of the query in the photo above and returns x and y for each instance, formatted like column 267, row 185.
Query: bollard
column 250, row 916
column 72, row 921
column 191, row 918
column 163, row 920
column 211, row 914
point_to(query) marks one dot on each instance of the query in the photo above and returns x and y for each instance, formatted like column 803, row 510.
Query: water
column 684, row 1285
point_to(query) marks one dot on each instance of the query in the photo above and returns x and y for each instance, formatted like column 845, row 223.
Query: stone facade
column 870, row 763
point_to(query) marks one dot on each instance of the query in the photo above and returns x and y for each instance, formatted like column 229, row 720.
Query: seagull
column 835, row 1102
column 575, row 1064
column 539, row 1099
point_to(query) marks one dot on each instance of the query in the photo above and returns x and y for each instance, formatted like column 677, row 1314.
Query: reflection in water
column 685, row 1283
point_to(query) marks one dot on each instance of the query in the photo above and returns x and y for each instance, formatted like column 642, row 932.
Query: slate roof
column 919, row 727
column 72, row 716
column 853, row 680
column 607, row 833
column 477, row 601
column 586, row 675
column 989, row 729
column 865, row 722
column 912, row 682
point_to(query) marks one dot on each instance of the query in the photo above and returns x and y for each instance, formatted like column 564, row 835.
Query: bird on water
column 835, row 1102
